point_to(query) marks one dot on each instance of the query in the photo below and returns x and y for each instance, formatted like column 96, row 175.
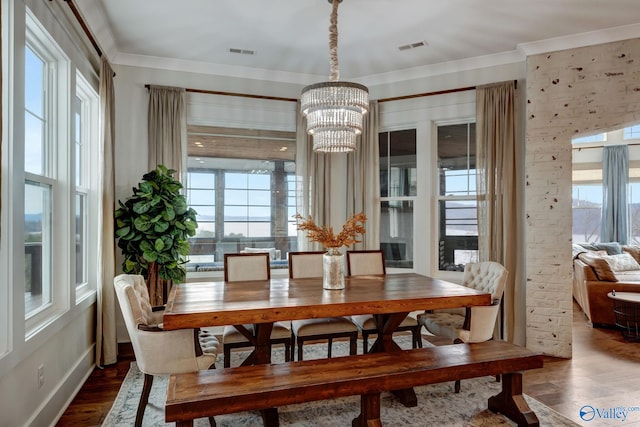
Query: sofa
column 600, row 268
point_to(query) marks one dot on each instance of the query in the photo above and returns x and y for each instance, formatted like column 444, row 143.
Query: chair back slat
column 305, row 264
column 249, row 266
column 365, row 262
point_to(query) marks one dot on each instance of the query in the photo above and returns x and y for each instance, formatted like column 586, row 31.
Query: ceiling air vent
column 412, row 45
column 242, row 51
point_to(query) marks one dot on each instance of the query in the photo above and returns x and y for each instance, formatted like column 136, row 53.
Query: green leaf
column 169, row 214
column 142, row 207
column 145, row 246
column 146, row 187
column 159, row 245
column 161, row 227
column 142, row 223
column 150, row 256
column 121, row 232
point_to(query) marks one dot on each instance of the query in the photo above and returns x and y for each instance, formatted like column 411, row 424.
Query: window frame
column 411, row 200
column 90, row 135
column 441, row 200
column 59, row 173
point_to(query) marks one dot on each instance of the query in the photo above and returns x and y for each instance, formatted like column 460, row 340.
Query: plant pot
column 333, row 269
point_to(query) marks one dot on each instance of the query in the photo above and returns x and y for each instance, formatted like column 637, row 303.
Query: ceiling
column 289, row 38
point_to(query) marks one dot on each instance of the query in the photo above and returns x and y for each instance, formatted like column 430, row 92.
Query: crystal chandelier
column 334, row 109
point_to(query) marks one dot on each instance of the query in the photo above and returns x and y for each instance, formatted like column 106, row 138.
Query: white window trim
column 60, row 173
column 91, row 130
column 436, row 192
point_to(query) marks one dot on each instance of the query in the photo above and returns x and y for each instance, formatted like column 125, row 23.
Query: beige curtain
column 313, row 176
column 106, row 340
column 496, row 181
column 167, row 127
column 363, row 180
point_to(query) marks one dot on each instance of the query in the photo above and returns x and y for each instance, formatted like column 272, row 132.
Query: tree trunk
column 158, row 287
column 155, row 286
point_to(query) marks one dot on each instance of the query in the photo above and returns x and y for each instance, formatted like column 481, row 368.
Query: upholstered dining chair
column 371, row 262
column 159, row 352
column 309, row 264
column 244, row 267
column 471, row 324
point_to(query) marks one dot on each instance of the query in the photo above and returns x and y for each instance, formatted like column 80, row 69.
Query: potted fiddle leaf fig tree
column 153, row 227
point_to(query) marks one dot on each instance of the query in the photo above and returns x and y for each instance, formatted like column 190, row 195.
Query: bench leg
column 369, row 411
column 270, row 417
column 511, row 403
column 188, row 423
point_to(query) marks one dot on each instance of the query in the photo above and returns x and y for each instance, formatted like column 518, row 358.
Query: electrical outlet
column 40, row 376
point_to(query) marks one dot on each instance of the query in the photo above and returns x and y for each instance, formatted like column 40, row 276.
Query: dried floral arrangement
column 325, row 236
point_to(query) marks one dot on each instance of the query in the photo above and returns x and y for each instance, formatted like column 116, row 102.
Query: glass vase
column 333, row 269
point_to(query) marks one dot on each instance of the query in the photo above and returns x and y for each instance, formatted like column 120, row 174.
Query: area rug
column 438, row 405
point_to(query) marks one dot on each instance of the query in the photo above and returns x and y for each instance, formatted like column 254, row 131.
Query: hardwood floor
column 603, row 373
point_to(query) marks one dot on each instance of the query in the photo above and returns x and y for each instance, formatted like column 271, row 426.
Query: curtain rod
column 242, row 95
column 87, row 32
column 437, row 92
column 603, row 146
column 277, row 98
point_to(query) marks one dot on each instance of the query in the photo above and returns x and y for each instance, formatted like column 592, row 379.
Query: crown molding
column 580, row 40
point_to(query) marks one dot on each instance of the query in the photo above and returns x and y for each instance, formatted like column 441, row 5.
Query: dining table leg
column 387, row 324
column 261, row 355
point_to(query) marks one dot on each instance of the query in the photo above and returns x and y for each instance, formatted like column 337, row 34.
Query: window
column 587, row 212
column 85, row 115
column 39, row 181
column 241, row 202
column 398, row 190
column 58, row 198
column 587, row 189
column 457, row 206
column 632, row 132
column 600, row 137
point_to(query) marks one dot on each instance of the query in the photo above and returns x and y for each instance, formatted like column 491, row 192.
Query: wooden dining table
column 388, row 297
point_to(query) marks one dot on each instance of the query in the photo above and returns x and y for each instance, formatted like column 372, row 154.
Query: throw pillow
column 612, row 248
column 633, row 250
column 622, row 262
column 600, row 266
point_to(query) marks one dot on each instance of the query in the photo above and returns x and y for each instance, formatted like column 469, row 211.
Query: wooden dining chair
column 309, row 264
column 247, row 267
column 471, row 324
column 371, row 262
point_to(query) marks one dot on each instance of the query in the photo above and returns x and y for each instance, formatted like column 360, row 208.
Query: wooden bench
column 259, row 387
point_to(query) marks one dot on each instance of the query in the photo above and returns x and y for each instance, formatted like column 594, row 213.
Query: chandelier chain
column 333, row 43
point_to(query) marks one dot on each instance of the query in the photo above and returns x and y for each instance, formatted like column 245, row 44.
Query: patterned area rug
column 438, row 405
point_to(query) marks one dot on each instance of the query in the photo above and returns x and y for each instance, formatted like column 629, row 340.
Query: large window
column 587, row 191
column 59, row 206
column 587, row 212
column 242, row 204
column 457, row 206
column 398, row 190
column 40, row 178
column 85, row 119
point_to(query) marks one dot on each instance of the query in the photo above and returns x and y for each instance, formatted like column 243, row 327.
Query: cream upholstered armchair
column 159, row 352
column 368, row 262
column 309, row 264
column 471, row 324
column 245, row 267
